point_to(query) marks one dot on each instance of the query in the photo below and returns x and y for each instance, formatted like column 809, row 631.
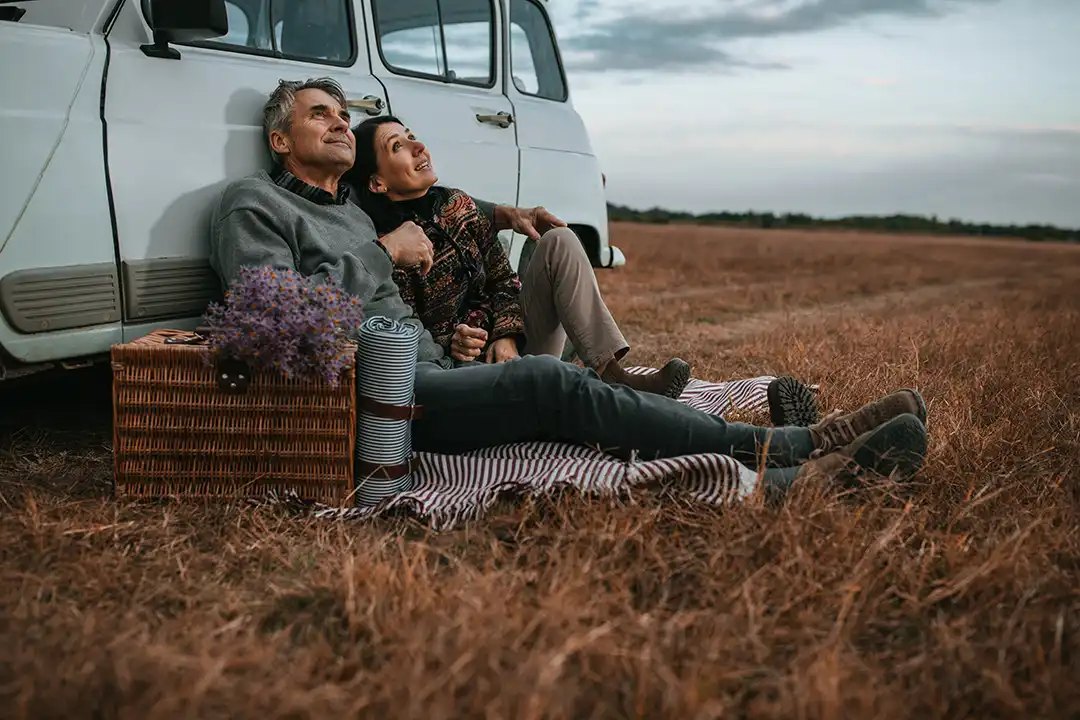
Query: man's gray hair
column 278, row 111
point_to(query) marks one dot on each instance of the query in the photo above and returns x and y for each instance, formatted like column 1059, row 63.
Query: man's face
column 320, row 136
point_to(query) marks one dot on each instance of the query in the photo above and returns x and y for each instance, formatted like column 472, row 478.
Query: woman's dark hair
column 367, row 163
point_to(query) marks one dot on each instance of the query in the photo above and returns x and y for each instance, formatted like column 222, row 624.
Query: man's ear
column 280, row 142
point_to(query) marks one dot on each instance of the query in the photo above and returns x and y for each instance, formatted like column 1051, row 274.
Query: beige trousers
column 560, row 298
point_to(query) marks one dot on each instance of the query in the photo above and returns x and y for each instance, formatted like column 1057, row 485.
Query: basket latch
column 233, row 376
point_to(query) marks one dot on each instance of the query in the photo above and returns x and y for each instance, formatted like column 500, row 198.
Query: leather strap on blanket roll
column 387, row 472
column 390, row 412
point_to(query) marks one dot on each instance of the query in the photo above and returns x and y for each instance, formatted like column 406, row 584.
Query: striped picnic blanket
column 448, row 489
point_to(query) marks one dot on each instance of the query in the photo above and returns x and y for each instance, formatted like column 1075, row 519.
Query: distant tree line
column 913, row 224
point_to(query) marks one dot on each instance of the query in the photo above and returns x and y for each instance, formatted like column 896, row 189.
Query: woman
column 471, row 300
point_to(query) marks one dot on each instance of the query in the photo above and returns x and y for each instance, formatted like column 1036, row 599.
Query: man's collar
column 317, row 195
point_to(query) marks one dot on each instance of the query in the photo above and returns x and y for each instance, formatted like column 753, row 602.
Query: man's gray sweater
column 256, row 222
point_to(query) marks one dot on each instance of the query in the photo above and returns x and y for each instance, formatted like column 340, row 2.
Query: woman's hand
column 467, row 342
column 501, row 350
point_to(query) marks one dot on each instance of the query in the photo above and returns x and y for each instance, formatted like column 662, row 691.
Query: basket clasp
column 233, row 376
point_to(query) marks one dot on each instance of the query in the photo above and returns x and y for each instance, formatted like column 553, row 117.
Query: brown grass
column 954, row 597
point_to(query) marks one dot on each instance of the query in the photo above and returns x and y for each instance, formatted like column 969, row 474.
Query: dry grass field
column 956, row 595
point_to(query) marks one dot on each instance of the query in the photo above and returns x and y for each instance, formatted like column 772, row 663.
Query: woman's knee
column 560, row 241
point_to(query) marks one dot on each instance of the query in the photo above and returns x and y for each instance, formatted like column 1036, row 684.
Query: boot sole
column 897, row 446
column 680, row 377
column 791, row 403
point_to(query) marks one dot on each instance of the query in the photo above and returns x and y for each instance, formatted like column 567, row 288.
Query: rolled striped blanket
column 385, row 377
column 448, row 489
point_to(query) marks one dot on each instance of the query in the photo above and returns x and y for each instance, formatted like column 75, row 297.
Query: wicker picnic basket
column 183, row 428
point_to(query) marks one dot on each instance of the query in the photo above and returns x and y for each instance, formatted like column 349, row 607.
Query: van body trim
column 159, row 288
column 60, row 298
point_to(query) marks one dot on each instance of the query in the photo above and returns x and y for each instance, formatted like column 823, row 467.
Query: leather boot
column 838, row 429
column 791, row 403
column 895, row 448
column 669, row 381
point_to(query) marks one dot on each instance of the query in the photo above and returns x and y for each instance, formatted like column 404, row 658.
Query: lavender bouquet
column 279, row 320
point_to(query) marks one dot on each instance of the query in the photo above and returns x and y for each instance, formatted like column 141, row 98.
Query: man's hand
column 532, row 223
column 409, row 247
column 501, row 350
column 467, row 342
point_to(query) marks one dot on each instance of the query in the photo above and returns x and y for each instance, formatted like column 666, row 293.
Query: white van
column 121, row 120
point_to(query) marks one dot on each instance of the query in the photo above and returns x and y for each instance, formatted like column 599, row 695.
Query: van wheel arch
column 590, row 240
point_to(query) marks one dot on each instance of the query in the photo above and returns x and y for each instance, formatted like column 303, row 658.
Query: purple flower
column 281, row 321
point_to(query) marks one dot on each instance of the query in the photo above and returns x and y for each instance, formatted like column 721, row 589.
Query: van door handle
column 370, row 104
column 502, row 119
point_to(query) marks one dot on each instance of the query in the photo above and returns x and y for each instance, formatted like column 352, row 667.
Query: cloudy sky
column 960, row 108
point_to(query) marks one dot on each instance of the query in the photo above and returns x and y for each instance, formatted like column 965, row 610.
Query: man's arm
column 499, row 217
column 487, row 209
column 533, row 222
column 248, row 236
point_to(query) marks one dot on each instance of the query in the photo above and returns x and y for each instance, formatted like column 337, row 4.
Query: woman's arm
column 403, row 280
column 502, row 287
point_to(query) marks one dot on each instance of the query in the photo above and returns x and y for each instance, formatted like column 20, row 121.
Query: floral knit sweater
column 470, row 281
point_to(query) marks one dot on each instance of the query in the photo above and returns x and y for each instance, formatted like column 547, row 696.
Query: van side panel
column 78, row 15
column 59, row 292
column 570, row 186
column 559, row 169
column 179, row 130
column 41, row 70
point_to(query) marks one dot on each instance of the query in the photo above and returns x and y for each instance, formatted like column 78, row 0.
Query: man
column 299, row 217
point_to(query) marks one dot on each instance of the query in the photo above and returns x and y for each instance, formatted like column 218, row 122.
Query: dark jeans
column 542, row 398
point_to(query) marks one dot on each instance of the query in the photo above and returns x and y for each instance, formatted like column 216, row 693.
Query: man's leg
column 541, row 398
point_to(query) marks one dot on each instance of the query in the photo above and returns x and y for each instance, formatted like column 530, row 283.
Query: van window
column 239, row 26
column 311, row 30
column 534, row 59
column 448, row 40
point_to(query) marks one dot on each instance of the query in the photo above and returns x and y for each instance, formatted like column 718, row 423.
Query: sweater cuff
column 375, row 256
column 386, row 252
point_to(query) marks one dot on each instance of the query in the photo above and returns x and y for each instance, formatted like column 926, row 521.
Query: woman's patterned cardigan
column 470, row 281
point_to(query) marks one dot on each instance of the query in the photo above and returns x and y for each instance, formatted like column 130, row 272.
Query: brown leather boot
column 669, row 381
column 895, row 448
column 838, row 429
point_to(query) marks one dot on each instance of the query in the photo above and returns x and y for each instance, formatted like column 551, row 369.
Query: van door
column 180, row 130
column 559, row 169
column 441, row 64
column 59, row 294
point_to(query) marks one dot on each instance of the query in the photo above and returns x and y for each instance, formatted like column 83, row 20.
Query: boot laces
column 830, row 432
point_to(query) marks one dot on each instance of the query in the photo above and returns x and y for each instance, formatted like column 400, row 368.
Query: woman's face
column 404, row 164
